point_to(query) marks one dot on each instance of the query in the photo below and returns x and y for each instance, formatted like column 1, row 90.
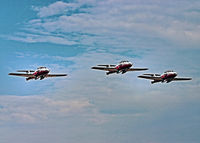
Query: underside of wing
column 22, row 74
column 182, row 78
column 104, row 68
column 137, row 69
column 55, row 75
column 151, row 77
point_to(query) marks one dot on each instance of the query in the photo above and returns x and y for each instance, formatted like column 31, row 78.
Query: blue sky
column 87, row 106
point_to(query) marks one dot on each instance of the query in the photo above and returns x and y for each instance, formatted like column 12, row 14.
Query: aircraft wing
column 104, row 68
column 22, row 74
column 55, row 75
column 151, row 77
column 137, row 69
column 181, row 78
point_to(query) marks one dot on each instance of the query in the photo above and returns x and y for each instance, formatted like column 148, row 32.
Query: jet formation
column 122, row 67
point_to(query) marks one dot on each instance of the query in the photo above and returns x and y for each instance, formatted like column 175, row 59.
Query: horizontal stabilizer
column 151, row 74
column 151, row 77
column 107, row 65
column 22, row 74
column 105, row 68
column 27, row 71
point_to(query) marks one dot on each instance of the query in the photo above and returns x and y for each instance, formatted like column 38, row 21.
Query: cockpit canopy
column 41, row 68
column 123, row 62
column 168, row 71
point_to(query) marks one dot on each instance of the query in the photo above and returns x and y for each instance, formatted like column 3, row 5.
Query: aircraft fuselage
column 168, row 76
column 123, row 66
column 39, row 73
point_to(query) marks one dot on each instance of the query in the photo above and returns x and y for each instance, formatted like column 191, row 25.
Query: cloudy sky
column 88, row 106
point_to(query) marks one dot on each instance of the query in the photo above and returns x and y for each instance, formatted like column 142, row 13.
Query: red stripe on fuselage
column 123, row 66
column 166, row 76
column 39, row 73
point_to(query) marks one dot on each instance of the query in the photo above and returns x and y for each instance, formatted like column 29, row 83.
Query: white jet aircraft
column 122, row 67
column 40, row 73
column 167, row 77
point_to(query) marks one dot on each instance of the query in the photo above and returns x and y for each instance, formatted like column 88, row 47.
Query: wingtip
column 94, row 67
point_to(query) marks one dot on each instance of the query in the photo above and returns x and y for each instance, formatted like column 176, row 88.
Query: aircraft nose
column 175, row 73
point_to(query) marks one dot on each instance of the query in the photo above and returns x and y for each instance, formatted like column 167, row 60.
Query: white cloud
column 118, row 24
column 118, row 21
column 35, row 38
column 56, row 8
column 34, row 109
